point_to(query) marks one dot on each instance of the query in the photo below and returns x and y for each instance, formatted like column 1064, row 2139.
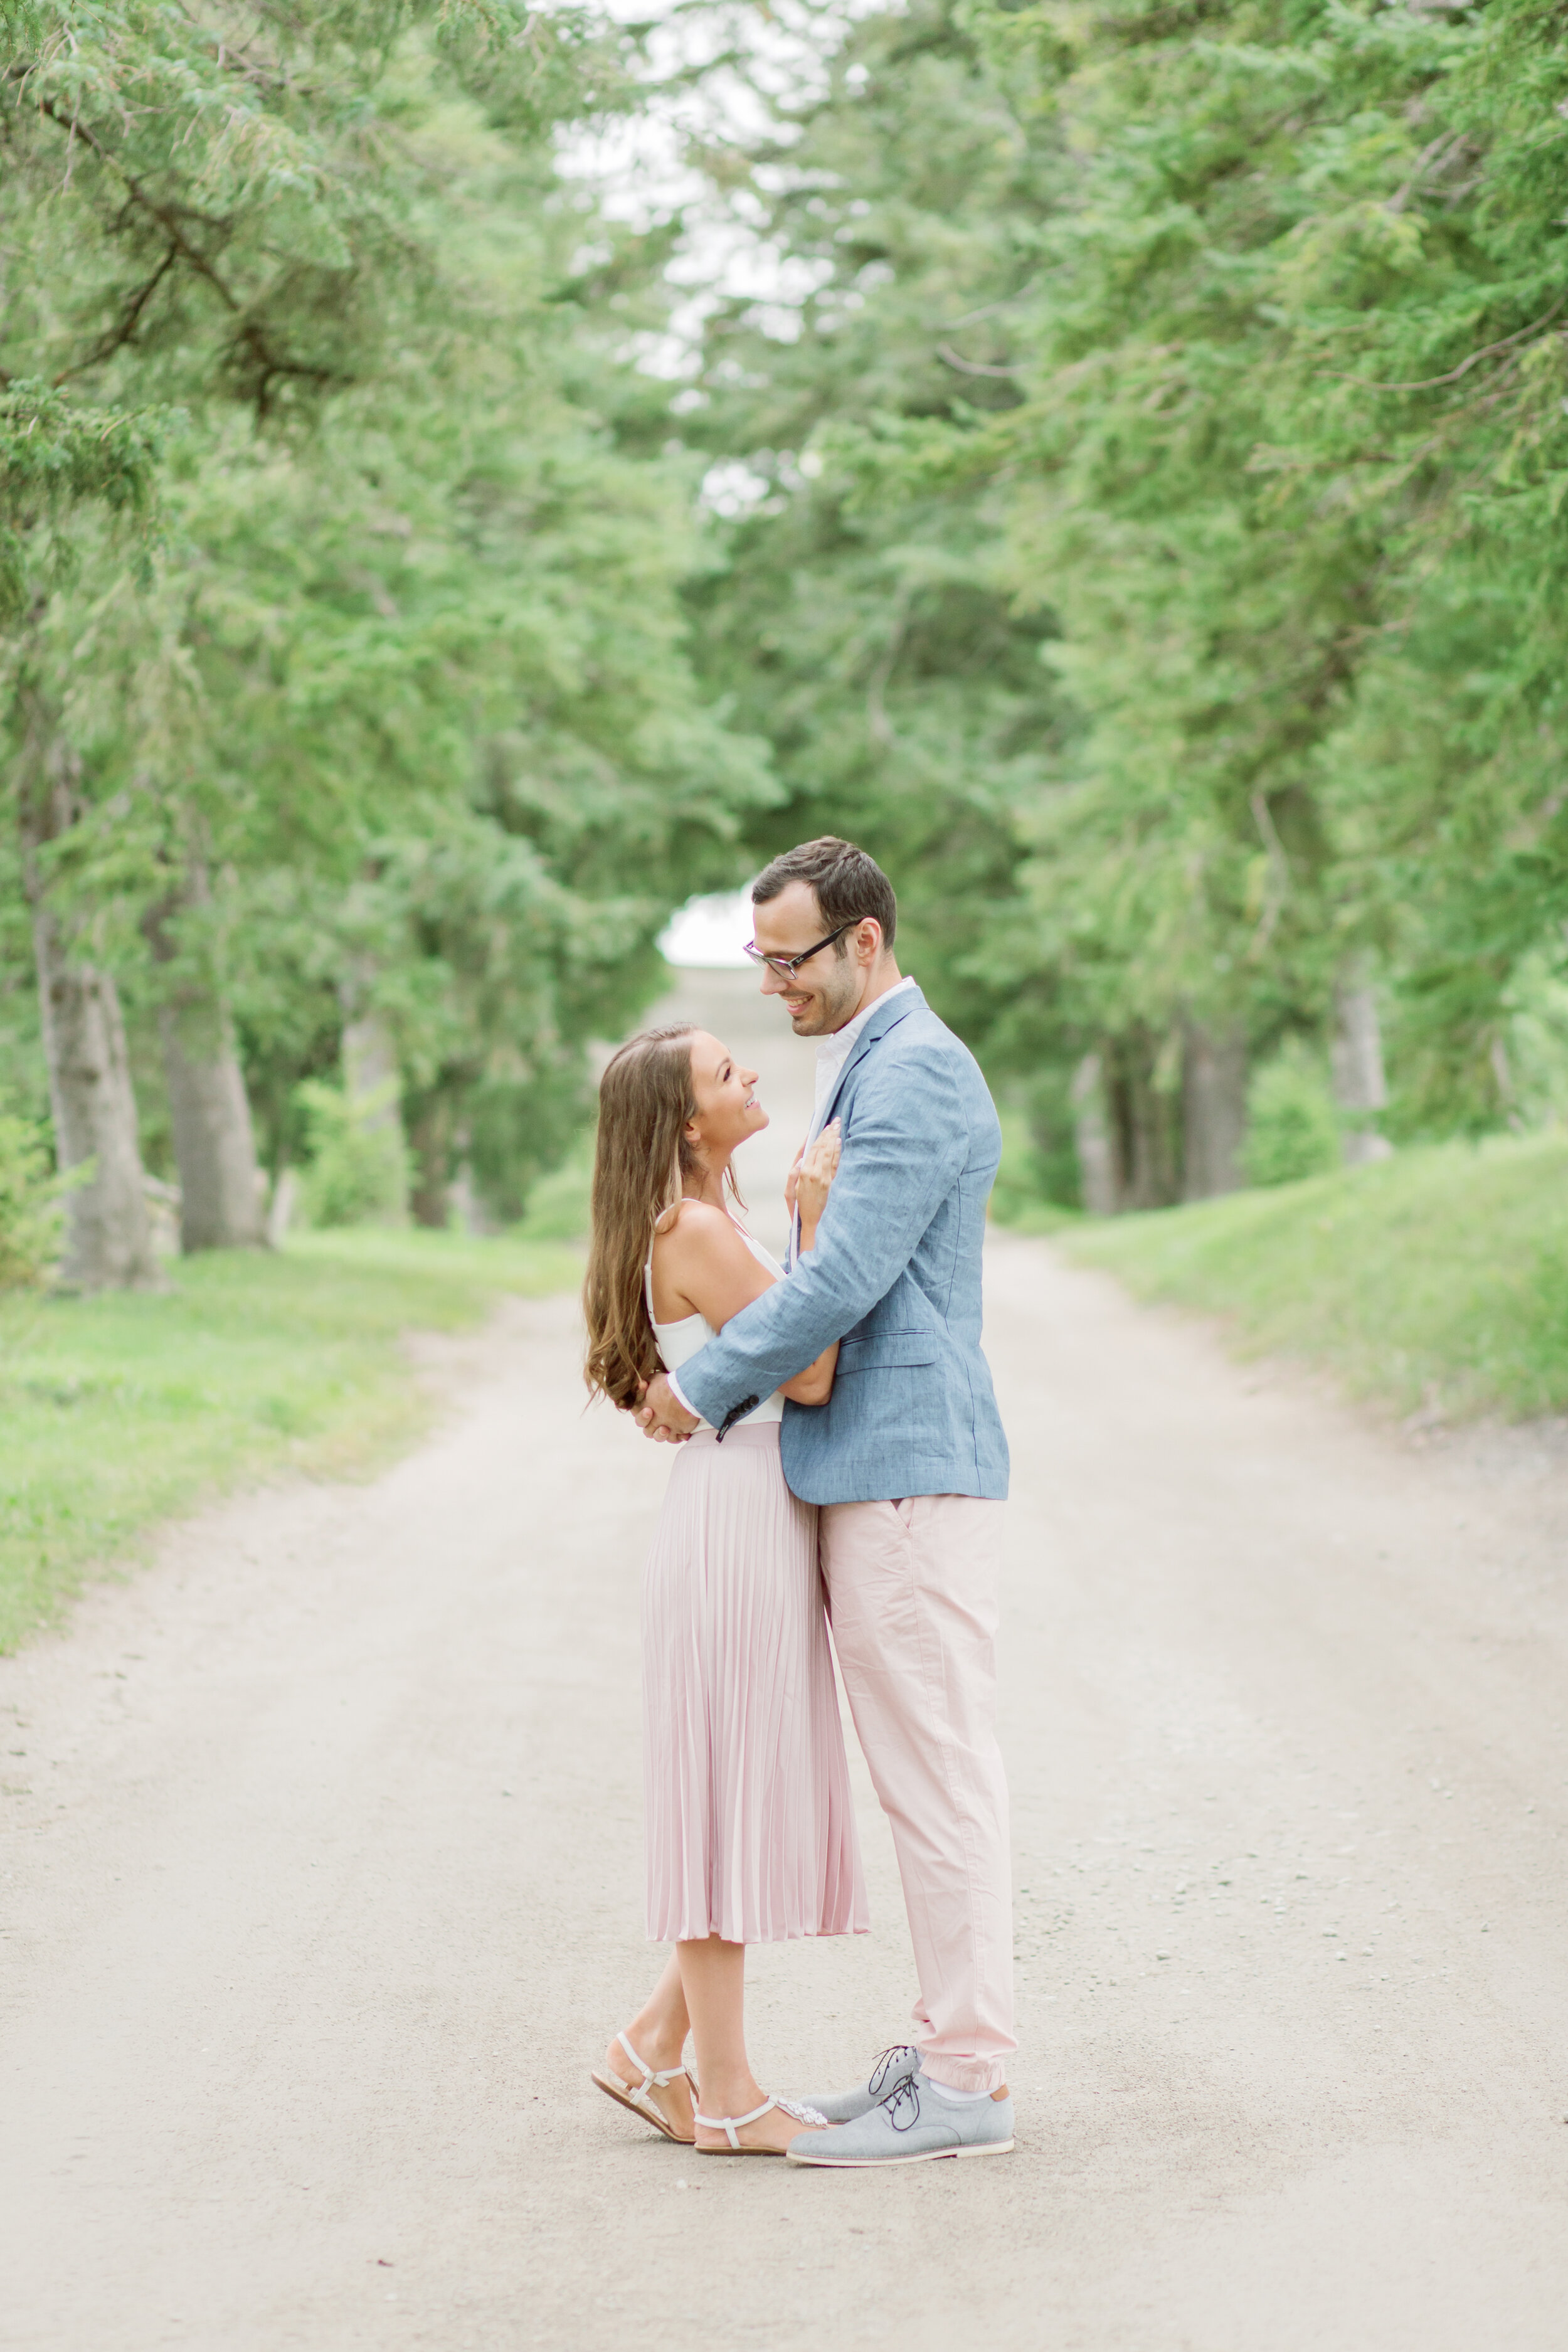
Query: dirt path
column 320, row 1882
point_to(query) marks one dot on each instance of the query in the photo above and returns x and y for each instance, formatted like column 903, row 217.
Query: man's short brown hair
column 848, row 884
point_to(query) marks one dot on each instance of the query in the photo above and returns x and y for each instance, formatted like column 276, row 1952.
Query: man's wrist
column 684, row 1402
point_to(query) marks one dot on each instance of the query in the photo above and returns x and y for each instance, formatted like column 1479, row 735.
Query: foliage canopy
column 1136, row 510
column 1230, row 347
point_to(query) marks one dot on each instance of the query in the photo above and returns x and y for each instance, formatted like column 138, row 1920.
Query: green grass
column 1022, row 1216
column 1017, row 1198
column 1437, row 1278
column 116, row 1411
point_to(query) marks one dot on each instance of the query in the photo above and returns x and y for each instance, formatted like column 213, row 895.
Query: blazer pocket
column 885, row 1348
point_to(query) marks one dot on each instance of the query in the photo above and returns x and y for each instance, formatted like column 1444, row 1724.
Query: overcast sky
column 638, row 169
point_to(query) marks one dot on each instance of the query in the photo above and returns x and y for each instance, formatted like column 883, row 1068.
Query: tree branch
column 269, row 364
column 167, row 219
column 879, row 725
column 1431, row 383
column 970, row 367
column 114, row 339
column 1442, row 145
column 1279, row 888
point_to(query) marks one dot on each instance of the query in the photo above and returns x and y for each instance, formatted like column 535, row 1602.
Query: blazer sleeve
column 906, row 1139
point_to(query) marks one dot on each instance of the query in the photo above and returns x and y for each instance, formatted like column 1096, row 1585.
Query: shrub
column 1292, row 1126
column 357, row 1169
column 559, row 1204
column 29, row 1204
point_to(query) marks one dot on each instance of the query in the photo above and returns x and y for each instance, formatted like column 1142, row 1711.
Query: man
column 909, row 1465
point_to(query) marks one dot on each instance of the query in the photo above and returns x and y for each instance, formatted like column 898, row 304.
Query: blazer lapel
column 884, row 1017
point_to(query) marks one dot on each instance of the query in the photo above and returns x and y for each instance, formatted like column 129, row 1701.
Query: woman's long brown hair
column 640, row 1167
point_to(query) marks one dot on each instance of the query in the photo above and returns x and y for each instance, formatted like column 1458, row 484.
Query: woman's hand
column 816, row 1170
column 818, row 1167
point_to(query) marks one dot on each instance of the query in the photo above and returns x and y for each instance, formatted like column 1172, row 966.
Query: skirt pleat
column 750, row 1832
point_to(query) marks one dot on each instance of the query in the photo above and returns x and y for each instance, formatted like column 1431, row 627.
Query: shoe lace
column 884, row 2064
column 903, row 2109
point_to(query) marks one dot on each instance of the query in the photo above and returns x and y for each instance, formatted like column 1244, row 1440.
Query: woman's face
column 723, row 1089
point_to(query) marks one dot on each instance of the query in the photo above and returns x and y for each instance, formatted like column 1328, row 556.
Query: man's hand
column 662, row 1416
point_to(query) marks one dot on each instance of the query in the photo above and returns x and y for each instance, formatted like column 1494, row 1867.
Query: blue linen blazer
column 894, row 1277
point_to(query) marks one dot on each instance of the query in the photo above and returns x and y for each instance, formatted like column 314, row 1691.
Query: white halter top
column 677, row 1341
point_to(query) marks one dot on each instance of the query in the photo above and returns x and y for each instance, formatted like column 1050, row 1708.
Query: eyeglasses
column 787, row 966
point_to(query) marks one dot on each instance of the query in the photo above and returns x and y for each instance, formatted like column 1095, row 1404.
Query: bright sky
column 710, row 931
column 638, row 166
column 639, row 172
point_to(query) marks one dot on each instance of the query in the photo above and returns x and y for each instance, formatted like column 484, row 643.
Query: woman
column 750, row 1833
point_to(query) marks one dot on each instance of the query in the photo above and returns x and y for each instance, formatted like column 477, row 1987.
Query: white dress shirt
column 832, row 1053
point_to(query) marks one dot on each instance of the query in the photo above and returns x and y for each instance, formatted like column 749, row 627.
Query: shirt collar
column 832, row 1053
column 838, row 1047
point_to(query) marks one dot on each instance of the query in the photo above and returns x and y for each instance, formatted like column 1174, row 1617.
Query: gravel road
column 320, row 1883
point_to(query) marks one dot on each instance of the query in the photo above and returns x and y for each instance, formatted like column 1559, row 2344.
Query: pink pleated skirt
column 750, row 1833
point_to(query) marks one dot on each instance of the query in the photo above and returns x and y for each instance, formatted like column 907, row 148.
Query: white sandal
column 731, row 2125
column 639, row 2097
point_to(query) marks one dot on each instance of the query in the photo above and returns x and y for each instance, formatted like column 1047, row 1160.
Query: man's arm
column 906, row 1143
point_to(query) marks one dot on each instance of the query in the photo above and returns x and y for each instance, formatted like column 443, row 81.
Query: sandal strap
column 639, row 2093
column 730, row 2124
column 803, row 2113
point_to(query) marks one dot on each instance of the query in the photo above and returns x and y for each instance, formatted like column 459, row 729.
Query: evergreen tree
column 874, row 639
column 417, row 590
column 1263, row 437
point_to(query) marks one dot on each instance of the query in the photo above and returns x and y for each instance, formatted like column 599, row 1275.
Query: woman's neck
column 708, row 1184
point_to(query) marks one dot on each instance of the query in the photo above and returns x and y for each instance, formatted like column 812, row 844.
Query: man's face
column 826, row 992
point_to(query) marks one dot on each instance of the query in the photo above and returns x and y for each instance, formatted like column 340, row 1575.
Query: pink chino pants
column 912, row 1590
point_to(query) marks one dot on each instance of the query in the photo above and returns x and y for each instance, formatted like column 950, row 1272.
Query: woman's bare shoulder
column 698, row 1229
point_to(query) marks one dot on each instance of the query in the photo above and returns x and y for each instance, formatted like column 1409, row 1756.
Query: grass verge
column 1437, row 1278
column 116, row 1411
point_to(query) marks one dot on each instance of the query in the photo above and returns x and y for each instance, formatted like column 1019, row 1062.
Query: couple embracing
column 841, row 1457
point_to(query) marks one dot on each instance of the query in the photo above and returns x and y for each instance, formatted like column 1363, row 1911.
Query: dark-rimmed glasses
column 787, row 966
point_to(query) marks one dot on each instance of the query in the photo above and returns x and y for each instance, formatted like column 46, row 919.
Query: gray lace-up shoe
column 912, row 2126
column 888, row 2070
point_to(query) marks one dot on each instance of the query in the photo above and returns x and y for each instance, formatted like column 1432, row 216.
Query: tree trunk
column 1360, row 1087
column 220, row 1183
column 1097, row 1175
column 430, row 1128
column 1144, row 1125
column 108, row 1241
column 1213, row 1110
column 373, row 1077
column 109, row 1244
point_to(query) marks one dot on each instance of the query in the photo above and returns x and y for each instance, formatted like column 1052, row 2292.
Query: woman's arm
column 701, row 1265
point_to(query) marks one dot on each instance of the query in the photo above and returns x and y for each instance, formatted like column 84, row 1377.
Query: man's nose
column 773, row 982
